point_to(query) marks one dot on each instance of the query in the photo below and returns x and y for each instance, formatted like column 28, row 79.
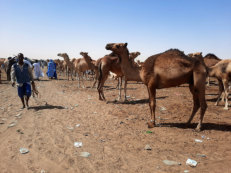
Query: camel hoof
column 216, row 104
column 151, row 124
column 226, row 108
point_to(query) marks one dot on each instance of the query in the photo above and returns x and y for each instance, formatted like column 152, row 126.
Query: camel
column 80, row 66
column 112, row 63
column 91, row 65
column 1, row 63
column 68, row 66
column 168, row 69
column 222, row 71
column 211, row 60
column 59, row 64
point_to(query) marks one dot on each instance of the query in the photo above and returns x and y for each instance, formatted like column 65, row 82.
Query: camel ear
column 125, row 45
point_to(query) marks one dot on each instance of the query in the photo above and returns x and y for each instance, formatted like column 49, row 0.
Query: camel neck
column 130, row 72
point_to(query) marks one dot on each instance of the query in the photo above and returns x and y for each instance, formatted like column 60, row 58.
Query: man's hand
column 13, row 84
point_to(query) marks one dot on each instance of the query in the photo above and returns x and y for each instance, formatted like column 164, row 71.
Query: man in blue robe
column 50, row 69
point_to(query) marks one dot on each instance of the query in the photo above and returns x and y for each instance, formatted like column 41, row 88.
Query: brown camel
column 222, row 71
column 112, row 63
column 167, row 69
column 68, row 66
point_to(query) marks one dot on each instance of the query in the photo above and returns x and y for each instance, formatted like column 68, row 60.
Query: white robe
column 37, row 71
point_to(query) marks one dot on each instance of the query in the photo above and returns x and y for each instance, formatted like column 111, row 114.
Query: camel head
column 84, row 54
column 197, row 54
column 63, row 55
column 133, row 55
column 116, row 47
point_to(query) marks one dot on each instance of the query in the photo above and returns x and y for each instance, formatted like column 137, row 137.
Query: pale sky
column 43, row 28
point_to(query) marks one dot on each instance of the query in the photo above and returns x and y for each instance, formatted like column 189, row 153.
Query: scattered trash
column 186, row 171
column 23, row 150
column 78, row 144
column 201, row 155
column 208, row 138
column 171, row 163
column 66, row 107
column 148, row 131
column 20, row 131
column 71, row 108
column 18, row 115
column 102, row 140
column 198, row 140
column 121, row 122
column 86, row 134
column 77, row 125
column 191, row 163
column 70, row 128
column 42, row 171
column 147, row 147
column 94, row 112
column 163, row 108
column 84, row 154
column 76, row 105
column 203, row 137
column 128, row 96
column 12, row 124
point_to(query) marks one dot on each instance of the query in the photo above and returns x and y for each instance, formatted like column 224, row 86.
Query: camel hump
column 174, row 52
column 211, row 56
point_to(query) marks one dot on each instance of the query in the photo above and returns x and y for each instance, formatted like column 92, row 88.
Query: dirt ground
column 114, row 133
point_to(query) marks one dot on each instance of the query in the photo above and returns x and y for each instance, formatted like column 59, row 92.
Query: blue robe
column 50, row 69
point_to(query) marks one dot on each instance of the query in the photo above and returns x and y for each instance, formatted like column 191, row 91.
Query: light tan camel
column 91, row 65
column 80, row 66
column 68, row 66
column 167, row 69
column 222, row 71
column 211, row 60
column 112, row 63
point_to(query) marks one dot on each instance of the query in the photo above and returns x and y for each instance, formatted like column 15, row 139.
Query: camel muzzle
column 108, row 46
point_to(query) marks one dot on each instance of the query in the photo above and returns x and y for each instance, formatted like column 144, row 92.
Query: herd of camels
column 168, row 69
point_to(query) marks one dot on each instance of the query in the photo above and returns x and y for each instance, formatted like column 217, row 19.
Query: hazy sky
column 43, row 28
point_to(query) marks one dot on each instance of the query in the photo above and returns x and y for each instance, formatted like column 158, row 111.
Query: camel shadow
column 215, row 99
column 205, row 126
column 133, row 102
column 37, row 108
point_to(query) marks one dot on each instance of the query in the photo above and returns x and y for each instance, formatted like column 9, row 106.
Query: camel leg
column 152, row 105
column 226, row 94
column 199, row 87
column 78, row 79
column 119, row 87
column 100, row 87
column 196, row 102
column 221, row 89
column 95, row 79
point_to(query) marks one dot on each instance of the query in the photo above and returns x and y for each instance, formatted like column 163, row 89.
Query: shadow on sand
column 36, row 108
column 132, row 102
column 205, row 126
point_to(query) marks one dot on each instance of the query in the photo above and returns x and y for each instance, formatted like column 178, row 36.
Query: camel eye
column 117, row 46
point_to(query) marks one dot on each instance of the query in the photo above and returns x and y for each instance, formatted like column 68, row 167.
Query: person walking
column 37, row 70
column 21, row 73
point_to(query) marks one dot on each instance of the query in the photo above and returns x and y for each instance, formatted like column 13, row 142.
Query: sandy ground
column 114, row 133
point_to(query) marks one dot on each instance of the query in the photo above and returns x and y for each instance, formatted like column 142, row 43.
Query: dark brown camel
column 167, row 69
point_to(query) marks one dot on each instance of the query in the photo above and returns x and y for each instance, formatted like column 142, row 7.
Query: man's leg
column 28, row 94
column 21, row 96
